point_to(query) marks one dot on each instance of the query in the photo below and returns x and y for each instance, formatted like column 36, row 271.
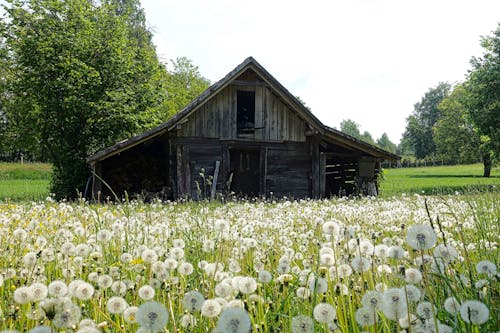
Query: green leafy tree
column 85, row 82
column 385, row 143
column 367, row 137
column 419, row 124
column 351, row 128
column 483, row 98
column 457, row 141
column 184, row 84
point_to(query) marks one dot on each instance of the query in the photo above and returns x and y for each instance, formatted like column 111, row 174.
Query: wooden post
column 214, row 181
column 322, row 175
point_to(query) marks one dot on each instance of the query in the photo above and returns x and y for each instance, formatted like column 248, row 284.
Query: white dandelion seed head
column 22, row 295
column 474, row 312
column 152, row 316
column 447, row 253
column 149, row 256
column 39, row 291
column 361, row 264
column 426, row 310
column 130, row 314
column 188, row 321
column 247, row 285
column 104, row 281
column 413, row 293
column 324, row 312
column 234, row 320
column 83, row 291
column 303, row 292
column 396, row 252
column 394, row 303
column 366, row 316
column 486, row 267
column 421, row 237
column 185, row 268
column 452, row 305
column 413, row 276
column 211, row 308
column 193, row 301
column 265, row 276
column 146, row 292
column 372, row 299
column 116, row 305
column 302, row 324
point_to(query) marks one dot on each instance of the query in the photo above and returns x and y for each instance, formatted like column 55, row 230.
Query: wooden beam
column 214, row 181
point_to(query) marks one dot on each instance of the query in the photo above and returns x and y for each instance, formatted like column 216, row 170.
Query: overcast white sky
column 365, row 60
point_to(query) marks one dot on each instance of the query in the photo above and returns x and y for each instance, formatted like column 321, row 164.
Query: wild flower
column 447, row 253
column 193, row 301
column 413, row 275
column 372, row 299
column 116, row 305
column 366, row 316
column 104, row 281
column 265, row 276
column 38, row 291
column 302, row 324
column 474, row 312
column 247, row 285
column 146, row 292
column 223, row 289
column 130, row 314
column 185, row 268
column 83, row 291
column 394, row 304
column 360, row 264
column 421, row 237
column 152, row 316
column 452, row 305
column 486, row 267
column 234, row 320
column 211, row 308
column 426, row 310
column 188, row 321
column 324, row 312
column 22, row 295
column 396, row 252
column 67, row 315
column 412, row 293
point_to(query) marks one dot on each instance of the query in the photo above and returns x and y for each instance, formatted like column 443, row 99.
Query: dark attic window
column 245, row 116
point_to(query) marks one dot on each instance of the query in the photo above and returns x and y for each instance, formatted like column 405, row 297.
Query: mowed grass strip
column 27, row 181
column 439, row 180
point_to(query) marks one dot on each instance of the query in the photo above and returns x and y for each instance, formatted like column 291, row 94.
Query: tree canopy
column 84, row 76
column 483, row 97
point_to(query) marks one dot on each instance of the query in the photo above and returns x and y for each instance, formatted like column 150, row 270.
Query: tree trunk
column 487, row 164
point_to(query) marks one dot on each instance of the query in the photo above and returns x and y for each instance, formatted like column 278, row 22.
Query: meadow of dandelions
column 407, row 264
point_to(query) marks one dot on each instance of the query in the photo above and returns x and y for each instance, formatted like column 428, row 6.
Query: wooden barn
column 245, row 135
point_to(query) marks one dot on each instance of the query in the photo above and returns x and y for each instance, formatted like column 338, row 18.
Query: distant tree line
column 77, row 76
column 453, row 124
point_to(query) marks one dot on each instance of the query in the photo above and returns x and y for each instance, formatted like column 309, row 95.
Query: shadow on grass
column 452, row 189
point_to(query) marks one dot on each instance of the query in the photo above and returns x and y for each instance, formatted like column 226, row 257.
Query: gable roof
column 278, row 88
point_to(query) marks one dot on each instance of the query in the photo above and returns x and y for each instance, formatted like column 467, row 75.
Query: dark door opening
column 244, row 170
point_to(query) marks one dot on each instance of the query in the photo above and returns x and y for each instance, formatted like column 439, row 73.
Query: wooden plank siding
column 216, row 118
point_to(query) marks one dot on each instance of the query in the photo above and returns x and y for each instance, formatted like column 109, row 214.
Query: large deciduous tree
column 456, row 139
column 419, row 124
column 85, row 82
column 385, row 143
column 483, row 102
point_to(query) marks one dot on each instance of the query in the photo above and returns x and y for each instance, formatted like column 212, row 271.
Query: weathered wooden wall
column 288, row 171
column 274, row 120
column 142, row 169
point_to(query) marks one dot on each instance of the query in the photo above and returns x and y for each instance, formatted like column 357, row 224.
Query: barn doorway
column 244, row 172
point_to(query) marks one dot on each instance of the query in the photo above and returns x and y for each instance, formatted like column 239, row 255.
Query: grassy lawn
column 28, row 181
column 438, row 180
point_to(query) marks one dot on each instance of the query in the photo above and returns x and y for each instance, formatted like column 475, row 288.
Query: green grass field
column 439, row 180
column 30, row 181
